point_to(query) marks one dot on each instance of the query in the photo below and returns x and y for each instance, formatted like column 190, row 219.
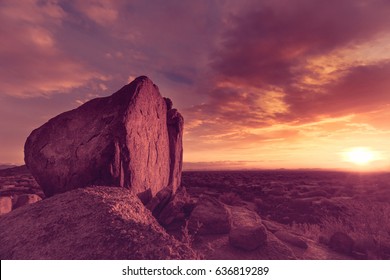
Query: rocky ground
column 307, row 214
column 258, row 215
column 97, row 222
column 17, row 188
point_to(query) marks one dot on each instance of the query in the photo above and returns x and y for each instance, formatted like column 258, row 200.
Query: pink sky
column 261, row 84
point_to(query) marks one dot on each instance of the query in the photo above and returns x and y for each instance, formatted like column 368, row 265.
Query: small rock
column 209, row 217
column 5, row 205
column 248, row 238
column 342, row 243
column 247, row 231
column 25, row 199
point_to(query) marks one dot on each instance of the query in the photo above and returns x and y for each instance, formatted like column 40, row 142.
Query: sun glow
column 359, row 155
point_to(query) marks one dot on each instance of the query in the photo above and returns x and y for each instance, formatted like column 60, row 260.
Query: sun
column 359, row 155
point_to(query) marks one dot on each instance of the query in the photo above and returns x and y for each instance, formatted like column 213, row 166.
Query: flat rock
column 291, row 239
column 272, row 226
column 119, row 140
column 89, row 223
column 209, row 216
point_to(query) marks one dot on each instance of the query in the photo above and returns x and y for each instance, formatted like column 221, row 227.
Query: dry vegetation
column 366, row 223
column 313, row 204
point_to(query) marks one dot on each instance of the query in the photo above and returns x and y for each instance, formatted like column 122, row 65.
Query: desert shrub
column 311, row 231
column 367, row 223
column 187, row 236
column 188, row 239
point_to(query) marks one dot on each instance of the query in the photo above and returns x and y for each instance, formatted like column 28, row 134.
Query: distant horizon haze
column 244, row 166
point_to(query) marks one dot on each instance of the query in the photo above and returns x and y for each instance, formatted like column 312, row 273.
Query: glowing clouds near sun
column 362, row 156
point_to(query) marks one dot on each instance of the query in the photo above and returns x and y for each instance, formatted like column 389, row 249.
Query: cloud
column 33, row 63
column 217, row 165
column 32, row 11
column 102, row 12
column 232, row 107
column 250, row 77
column 284, row 62
column 270, row 44
column 360, row 90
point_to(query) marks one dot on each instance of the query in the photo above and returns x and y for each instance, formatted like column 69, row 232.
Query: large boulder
column 120, row 140
column 88, row 223
column 209, row 217
column 247, row 232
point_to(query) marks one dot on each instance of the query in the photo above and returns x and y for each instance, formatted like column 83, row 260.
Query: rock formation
column 175, row 123
column 87, row 223
column 247, row 232
column 130, row 139
column 209, row 216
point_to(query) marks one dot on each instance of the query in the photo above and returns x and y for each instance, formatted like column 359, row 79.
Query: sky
column 261, row 84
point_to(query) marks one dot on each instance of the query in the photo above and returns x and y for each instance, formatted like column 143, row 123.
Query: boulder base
column 89, row 223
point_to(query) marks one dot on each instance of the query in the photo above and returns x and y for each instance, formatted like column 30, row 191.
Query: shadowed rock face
column 175, row 123
column 121, row 140
column 89, row 223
